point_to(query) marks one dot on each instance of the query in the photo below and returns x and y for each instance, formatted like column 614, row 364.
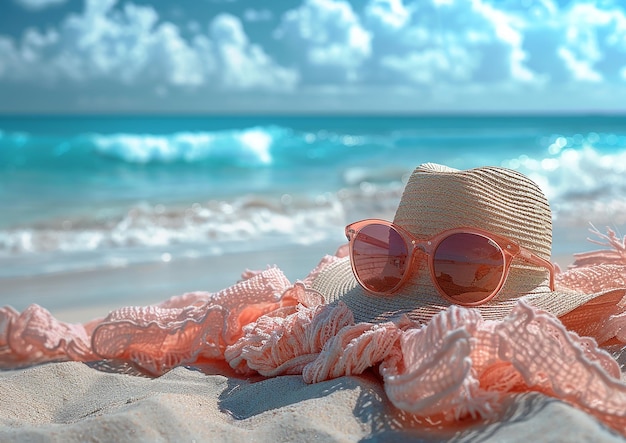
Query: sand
column 74, row 402
column 71, row 402
column 83, row 295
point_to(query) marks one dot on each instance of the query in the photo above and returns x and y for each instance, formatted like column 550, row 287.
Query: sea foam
column 210, row 191
column 247, row 147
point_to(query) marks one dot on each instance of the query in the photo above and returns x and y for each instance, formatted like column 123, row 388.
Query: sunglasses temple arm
column 534, row 259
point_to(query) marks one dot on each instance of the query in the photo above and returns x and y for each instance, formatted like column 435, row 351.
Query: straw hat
column 438, row 198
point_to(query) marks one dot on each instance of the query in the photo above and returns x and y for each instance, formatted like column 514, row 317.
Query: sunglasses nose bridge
column 423, row 246
column 421, row 252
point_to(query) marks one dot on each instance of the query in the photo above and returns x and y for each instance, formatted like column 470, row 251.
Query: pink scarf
column 456, row 366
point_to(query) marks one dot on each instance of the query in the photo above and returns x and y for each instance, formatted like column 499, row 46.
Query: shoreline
column 80, row 296
column 74, row 401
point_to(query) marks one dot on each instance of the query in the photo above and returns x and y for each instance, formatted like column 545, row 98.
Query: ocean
column 100, row 192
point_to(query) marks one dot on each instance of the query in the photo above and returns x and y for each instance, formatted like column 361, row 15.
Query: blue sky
column 313, row 56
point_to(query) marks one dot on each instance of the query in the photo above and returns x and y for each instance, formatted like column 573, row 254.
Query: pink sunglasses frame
column 509, row 249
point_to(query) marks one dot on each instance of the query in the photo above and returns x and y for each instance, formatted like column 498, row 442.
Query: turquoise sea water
column 94, row 191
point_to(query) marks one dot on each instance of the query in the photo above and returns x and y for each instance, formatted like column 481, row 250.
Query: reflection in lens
column 468, row 267
column 379, row 255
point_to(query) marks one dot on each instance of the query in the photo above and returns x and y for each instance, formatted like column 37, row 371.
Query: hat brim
column 337, row 282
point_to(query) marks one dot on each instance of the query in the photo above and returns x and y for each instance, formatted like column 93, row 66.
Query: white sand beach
column 154, row 149
column 71, row 402
column 78, row 297
column 75, row 402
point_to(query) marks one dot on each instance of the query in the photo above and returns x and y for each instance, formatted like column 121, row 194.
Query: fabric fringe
column 456, row 366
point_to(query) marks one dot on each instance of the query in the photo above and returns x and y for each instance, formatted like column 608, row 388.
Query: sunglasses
column 468, row 266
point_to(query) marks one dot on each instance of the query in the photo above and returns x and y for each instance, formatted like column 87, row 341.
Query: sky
column 313, row 56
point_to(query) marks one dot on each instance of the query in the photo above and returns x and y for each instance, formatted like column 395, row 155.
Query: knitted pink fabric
column 458, row 365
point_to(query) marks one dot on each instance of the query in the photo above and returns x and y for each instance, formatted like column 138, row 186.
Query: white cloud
column 427, row 66
column 105, row 46
column 583, row 42
column 130, row 46
column 466, row 41
column 257, row 15
column 594, row 44
column 461, row 48
column 507, row 30
column 580, row 69
column 329, row 35
column 9, row 57
column 392, row 14
column 245, row 65
column 180, row 62
column 37, row 5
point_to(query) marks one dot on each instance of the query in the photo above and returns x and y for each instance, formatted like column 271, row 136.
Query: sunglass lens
column 380, row 257
column 468, row 267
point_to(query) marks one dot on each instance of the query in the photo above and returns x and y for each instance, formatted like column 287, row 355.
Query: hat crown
column 499, row 200
column 437, row 198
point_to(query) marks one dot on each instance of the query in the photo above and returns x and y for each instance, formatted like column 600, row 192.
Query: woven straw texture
column 437, row 198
